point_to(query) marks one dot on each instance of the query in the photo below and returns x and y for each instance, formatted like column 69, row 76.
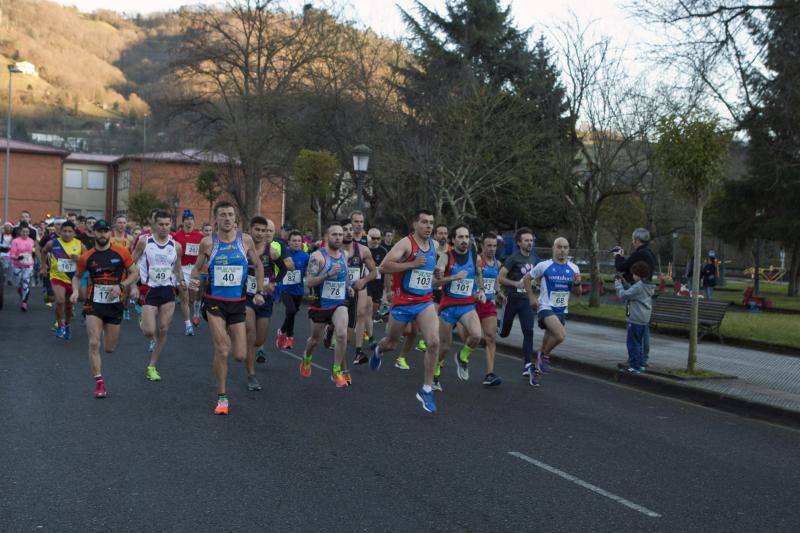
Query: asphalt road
column 576, row 454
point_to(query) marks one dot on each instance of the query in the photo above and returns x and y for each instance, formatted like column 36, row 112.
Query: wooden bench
column 669, row 309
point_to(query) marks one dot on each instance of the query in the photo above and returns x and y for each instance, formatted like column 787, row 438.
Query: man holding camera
column 641, row 252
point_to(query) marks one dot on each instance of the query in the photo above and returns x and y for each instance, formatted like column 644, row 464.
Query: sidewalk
column 767, row 384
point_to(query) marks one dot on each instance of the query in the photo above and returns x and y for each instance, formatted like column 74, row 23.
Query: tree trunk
column 594, row 266
column 698, row 242
column 252, row 197
column 319, row 217
column 794, row 269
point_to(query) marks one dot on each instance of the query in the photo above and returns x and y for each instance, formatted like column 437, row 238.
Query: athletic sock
column 187, row 322
column 465, row 352
column 336, row 369
column 98, row 377
column 222, row 396
column 427, row 388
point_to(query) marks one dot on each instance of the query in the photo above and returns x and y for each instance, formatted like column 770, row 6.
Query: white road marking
column 300, row 358
column 584, row 484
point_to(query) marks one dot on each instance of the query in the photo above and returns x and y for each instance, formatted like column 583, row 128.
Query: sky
column 383, row 15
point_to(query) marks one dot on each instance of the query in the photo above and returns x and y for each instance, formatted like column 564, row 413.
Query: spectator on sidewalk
column 639, row 305
column 641, row 252
column 709, row 274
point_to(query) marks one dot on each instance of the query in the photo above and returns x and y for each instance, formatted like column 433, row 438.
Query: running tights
column 292, row 304
column 520, row 307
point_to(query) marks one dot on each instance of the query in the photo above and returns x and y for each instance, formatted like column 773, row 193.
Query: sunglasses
column 374, row 238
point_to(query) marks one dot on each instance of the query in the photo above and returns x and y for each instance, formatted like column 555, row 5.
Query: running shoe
column 126, row 314
column 544, row 363
column 152, row 374
column 327, row 341
column 54, row 327
column 421, row 346
column 253, row 384
column 632, row 370
column 402, row 364
column 196, row 321
column 426, row 399
column 462, row 368
column 261, row 356
column 526, row 370
column 367, row 338
column 347, row 377
column 189, row 330
column 289, row 343
column 48, row 304
column 280, row 341
column 492, row 380
column 151, row 346
column 360, row 357
column 67, row 333
column 222, row 406
column 338, row 379
column 99, row 389
column 375, row 360
column 437, row 385
column 534, row 378
column 24, row 306
column 305, row 366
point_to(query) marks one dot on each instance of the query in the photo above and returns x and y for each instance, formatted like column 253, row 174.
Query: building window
column 97, row 180
column 73, row 178
column 124, row 181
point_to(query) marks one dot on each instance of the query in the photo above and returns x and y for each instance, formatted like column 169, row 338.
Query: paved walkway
column 763, row 377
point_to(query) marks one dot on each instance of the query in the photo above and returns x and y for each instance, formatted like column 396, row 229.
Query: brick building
column 48, row 182
column 35, row 179
column 172, row 176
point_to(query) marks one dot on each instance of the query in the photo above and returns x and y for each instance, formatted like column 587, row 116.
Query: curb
column 729, row 341
column 675, row 389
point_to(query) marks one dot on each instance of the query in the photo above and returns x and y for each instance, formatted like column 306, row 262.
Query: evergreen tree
column 484, row 111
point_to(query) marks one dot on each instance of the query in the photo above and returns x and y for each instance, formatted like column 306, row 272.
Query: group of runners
column 435, row 284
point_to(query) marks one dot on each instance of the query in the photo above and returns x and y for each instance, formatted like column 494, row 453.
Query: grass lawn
column 779, row 300
column 763, row 327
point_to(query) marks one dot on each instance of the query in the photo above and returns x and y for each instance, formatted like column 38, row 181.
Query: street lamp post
column 12, row 69
column 360, row 163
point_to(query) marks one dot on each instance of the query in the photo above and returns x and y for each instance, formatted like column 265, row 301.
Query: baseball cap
column 712, row 253
column 187, row 213
column 101, row 225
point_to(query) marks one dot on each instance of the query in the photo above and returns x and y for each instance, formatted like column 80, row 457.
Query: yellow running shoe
column 152, row 374
column 402, row 364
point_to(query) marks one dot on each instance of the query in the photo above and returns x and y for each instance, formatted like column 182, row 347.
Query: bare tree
column 616, row 119
column 237, row 76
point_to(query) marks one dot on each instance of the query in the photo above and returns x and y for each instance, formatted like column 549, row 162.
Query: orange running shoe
column 338, row 379
column 222, row 406
column 305, row 367
column 347, row 377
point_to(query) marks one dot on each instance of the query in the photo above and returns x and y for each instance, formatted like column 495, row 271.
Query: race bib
column 462, row 287
column 192, row 249
column 251, row 285
column 488, row 285
column 292, row 277
column 160, row 275
column 26, row 258
column 559, row 298
column 102, row 295
column 333, row 290
column 228, row 275
column 421, row 279
column 66, row 265
column 353, row 274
